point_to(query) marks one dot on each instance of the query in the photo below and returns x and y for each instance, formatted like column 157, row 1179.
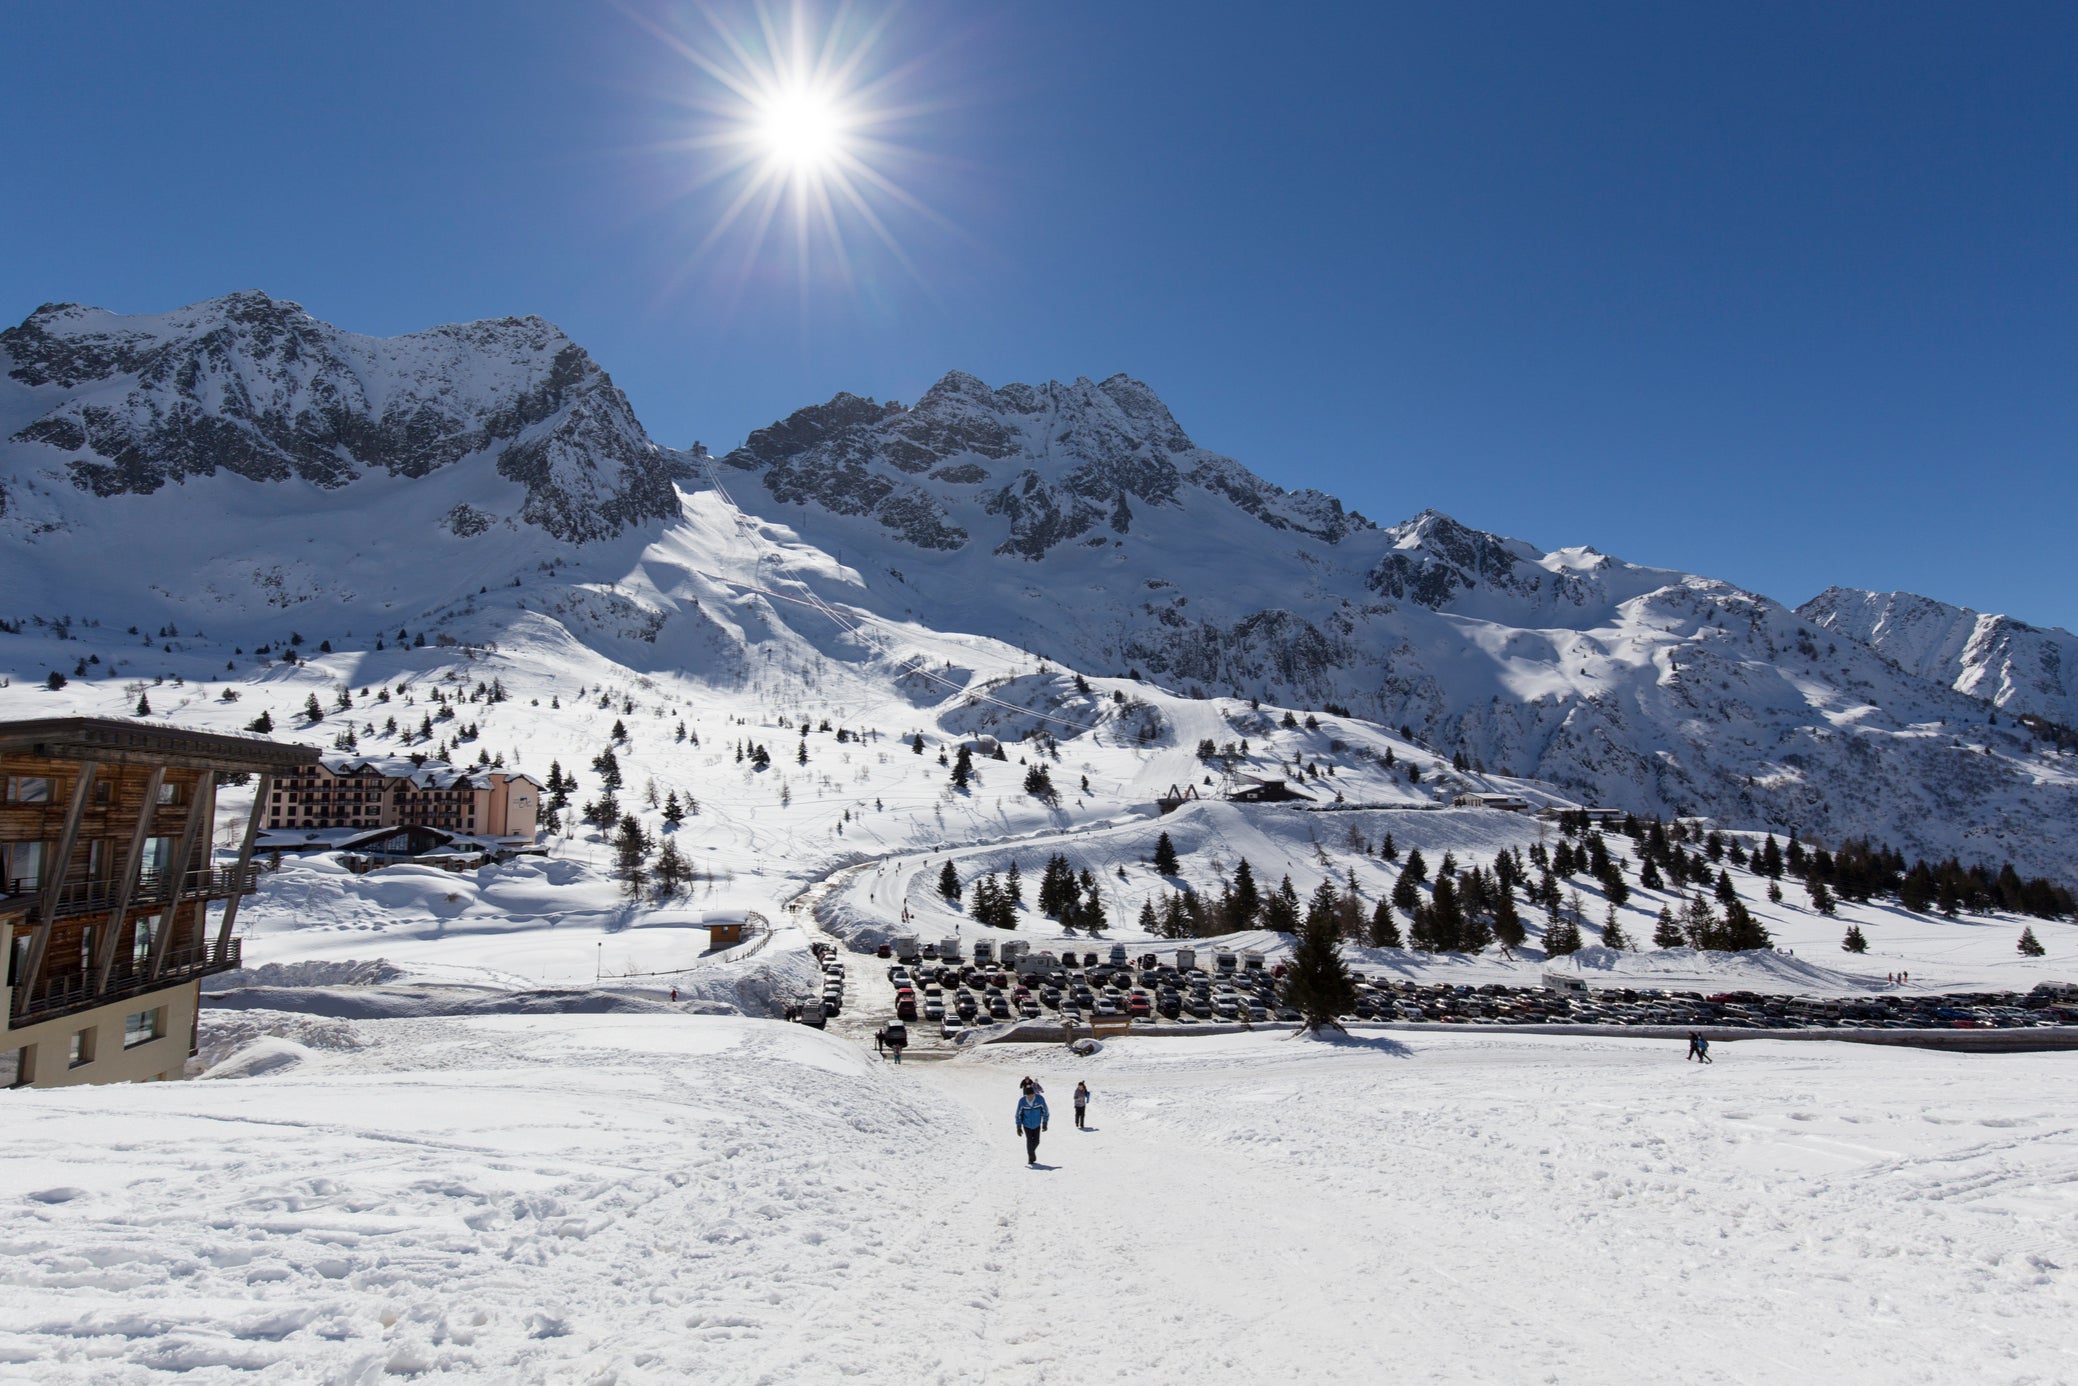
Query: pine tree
column 631, row 856
column 2030, row 947
column 1508, row 926
column 1038, row 784
column 262, row 724
column 1821, row 897
column 1014, row 887
column 1725, row 893
column 1854, row 942
column 1406, row 895
column 1385, row 930
column 1389, row 851
column 674, row 814
column 1649, row 875
column 1281, row 910
column 1667, row 933
column 949, row 882
column 1612, row 931
column 312, row 712
column 1446, row 916
column 1416, row 869
column 144, row 705
column 963, row 768
column 672, row 871
column 1316, row 981
column 917, row 744
column 1165, row 856
column 1245, row 899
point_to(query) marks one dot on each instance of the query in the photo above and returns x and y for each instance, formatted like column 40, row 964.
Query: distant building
column 1592, row 815
column 105, row 889
column 393, row 791
column 1506, row 803
column 1249, row 789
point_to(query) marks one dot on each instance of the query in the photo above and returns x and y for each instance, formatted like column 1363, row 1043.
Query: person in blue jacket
column 1031, row 1119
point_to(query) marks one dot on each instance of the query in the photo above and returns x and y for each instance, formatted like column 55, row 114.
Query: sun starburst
column 797, row 118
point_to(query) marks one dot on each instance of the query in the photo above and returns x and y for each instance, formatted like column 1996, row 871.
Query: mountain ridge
column 1076, row 521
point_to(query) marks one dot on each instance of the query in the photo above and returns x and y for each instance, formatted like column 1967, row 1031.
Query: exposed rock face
column 254, row 386
column 1057, row 462
column 2007, row 663
column 1081, row 522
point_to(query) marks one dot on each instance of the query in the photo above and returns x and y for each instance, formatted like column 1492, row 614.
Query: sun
column 802, row 131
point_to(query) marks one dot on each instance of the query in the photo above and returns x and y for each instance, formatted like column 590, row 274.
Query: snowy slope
column 1080, row 522
column 2005, row 662
column 645, row 1198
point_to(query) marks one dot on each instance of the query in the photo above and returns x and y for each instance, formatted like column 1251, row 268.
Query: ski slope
column 653, row 1198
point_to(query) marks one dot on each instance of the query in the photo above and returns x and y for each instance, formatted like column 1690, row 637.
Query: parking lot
column 936, row 993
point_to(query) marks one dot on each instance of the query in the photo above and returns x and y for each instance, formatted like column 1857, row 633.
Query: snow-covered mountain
column 238, row 466
column 254, row 387
column 2007, row 663
column 1079, row 521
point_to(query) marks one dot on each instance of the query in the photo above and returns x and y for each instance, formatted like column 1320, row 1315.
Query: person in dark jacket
column 1031, row 1120
column 1082, row 1101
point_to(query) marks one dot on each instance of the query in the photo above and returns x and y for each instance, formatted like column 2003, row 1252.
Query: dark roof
column 116, row 740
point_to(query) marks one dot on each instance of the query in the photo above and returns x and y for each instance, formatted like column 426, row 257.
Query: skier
column 1031, row 1119
column 1695, row 1044
column 1082, row 1101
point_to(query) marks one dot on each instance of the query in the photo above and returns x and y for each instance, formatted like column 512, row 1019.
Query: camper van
column 1186, row 959
column 1223, row 960
column 906, row 950
column 1565, row 983
column 1251, row 960
column 949, row 950
column 984, row 952
column 1013, row 950
column 1118, row 955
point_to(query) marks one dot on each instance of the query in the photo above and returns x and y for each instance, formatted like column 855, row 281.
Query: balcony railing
column 87, row 895
column 72, row 992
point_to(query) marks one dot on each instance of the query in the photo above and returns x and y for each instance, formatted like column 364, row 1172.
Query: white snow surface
column 2006, row 662
column 658, row 1198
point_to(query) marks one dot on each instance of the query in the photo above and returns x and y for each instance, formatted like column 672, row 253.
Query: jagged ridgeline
column 238, row 454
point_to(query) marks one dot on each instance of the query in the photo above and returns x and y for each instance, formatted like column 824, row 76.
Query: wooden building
column 105, row 888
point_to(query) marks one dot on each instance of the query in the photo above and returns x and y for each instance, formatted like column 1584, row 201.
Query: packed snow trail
column 658, row 1197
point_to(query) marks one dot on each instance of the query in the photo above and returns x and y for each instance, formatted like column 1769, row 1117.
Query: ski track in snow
column 638, row 1198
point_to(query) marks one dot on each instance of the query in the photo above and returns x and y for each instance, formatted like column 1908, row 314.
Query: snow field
column 651, row 1198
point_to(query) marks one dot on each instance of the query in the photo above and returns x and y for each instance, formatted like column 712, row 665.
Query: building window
column 82, row 1048
column 142, row 1027
column 104, row 793
column 29, row 789
column 17, row 1067
column 21, row 866
column 169, row 794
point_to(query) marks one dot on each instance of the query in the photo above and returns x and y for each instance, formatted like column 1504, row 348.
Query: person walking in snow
column 1695, row 1044
column 1031, row 1119
column 1702, row 1050
column 1082, row 1101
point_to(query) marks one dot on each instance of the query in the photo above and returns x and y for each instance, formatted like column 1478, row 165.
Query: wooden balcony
column 70, row 993
column 84, row 895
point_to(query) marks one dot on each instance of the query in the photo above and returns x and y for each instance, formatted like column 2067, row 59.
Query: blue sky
column 1785, row 294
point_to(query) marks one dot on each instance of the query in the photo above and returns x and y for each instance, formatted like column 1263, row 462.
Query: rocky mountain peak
column 256, row 387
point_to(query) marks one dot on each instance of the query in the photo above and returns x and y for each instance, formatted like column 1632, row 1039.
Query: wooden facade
column 106, row 881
